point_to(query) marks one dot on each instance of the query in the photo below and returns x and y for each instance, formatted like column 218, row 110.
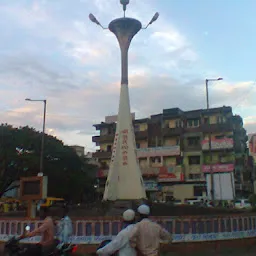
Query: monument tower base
column 116, row 208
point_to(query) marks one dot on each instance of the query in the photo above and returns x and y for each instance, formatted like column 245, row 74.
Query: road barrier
column 187, row 229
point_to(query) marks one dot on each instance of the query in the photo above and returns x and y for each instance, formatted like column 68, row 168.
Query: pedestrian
column 65, row 228
column 120, row 243
column 147, row 235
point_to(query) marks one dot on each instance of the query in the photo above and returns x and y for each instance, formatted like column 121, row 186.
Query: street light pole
column 210, row 136
column 41, row 170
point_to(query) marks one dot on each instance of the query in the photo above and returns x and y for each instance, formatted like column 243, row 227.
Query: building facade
column 173, row 150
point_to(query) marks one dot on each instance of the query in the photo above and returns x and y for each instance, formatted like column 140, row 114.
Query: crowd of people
column 141, row 237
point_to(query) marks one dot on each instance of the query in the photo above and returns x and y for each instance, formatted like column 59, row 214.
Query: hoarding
column 170, row 173
column 226, row 143
column 218, row 168
column 224, row 186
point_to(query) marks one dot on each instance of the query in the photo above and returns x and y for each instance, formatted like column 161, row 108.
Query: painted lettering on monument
column 125, row 147
column 114, row 147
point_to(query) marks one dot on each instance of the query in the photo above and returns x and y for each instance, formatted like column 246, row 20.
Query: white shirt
column 120, row 243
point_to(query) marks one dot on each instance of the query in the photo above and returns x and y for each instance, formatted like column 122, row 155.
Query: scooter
column 64, row 250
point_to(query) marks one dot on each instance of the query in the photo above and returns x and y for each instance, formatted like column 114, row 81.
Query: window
column 193, row 123
column 156, row 159
column 136, row 128
column 206, row 120
column 137, row 145
column 177, row 141
column 179, row 160
column 192, row 176
column 104, row 131
column 178, row 123
column 219, row 137
column 109, row 148
column 198, row 190
column 221, row 119
column 193, row 141
column 193, row 160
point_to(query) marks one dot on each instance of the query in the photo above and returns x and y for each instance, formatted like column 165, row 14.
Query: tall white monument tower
column 124, row 180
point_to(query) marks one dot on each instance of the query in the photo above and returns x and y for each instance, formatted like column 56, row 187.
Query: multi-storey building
column 173, row 149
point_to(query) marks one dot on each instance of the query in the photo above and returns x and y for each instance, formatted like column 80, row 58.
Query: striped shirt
column 147, row 236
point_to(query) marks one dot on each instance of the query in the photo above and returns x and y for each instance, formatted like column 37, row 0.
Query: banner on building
column 218, row 168
column 169, row 174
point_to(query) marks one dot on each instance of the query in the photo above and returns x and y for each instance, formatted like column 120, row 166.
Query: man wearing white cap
column 121, row 242
column 147, row 235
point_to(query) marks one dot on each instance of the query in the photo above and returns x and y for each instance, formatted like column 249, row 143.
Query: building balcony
column 102, row 154
column 218, row 144
column 168, row 132
column 218, row 168
column 192, row 147
column 158, row 151
column 103, row 138
column 217, row 128
column 139, row 135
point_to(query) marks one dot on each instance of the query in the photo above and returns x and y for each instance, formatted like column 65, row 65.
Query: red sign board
column 218, row 168
column 167, row 173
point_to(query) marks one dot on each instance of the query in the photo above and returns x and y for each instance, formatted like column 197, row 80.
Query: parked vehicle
column 193, row 201
column 177, row 202
column 51, row 201
column 242, row 204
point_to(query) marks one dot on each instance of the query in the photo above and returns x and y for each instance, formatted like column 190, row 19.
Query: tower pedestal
column 116, row 208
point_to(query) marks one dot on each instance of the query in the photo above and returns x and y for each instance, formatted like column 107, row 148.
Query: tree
column 68, row 174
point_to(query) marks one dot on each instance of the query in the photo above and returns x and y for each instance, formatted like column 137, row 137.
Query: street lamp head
column 27, row 99
column 93, row 19
column 220, row 78
column 155, row 17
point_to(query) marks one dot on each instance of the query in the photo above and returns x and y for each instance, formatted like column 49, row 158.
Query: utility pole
column 210, row 136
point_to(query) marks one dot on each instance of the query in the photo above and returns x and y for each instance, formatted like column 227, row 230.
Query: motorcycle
column 14, row 248
column 64, row 250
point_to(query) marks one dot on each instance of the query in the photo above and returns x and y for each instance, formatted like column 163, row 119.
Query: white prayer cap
column 129, row 215
column 144, row 209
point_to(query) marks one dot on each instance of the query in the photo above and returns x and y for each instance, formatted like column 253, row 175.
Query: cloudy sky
column 50, row 50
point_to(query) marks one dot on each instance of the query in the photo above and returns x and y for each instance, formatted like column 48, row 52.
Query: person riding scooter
column 121, row 243
column 46, row 230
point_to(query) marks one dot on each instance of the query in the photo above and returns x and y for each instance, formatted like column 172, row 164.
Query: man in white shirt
column 121, row 242
column 147, row 235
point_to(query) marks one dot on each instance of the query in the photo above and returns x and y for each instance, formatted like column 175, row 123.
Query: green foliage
column 69, row 176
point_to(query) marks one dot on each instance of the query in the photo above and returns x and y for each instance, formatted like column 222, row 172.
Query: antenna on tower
column 124, row 3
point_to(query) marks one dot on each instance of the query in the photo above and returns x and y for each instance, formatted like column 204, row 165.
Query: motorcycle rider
column 121, row 242
column 146, row 234
column 46, row 230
